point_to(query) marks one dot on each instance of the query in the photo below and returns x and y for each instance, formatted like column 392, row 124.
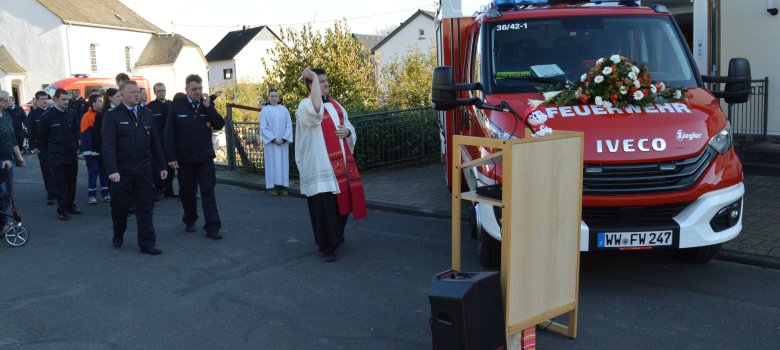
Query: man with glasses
column 159, row 108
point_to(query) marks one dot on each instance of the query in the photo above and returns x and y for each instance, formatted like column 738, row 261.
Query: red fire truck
column 659, row 176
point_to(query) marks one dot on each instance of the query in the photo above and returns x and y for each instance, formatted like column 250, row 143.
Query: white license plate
column 634, row 239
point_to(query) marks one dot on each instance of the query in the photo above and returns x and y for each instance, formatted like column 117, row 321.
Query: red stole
column 351, row 197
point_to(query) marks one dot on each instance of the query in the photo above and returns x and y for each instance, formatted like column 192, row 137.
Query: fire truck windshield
column 572, row 45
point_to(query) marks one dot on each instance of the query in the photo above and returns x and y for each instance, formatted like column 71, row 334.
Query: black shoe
column 190, row 228
column 151, row 251
column 214, row 235
column 63, row 216
column 171, row 195
column 75, row 211
column 50, row 201
column 328, row 256
column 117, row 241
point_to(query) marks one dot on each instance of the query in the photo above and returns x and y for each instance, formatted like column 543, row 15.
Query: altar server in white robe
column 276, row 127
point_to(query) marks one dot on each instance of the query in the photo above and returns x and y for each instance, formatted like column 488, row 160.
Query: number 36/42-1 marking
column 511, row 26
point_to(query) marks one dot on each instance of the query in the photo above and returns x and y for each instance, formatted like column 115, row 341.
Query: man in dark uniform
column 78, row 105
column 33, row 125
column 59, row 135
column 159, row 108
column 131, row 146
column 19, row 119
column 189, row 149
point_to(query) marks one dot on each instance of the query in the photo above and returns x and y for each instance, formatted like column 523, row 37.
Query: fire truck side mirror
column 443, row 90
column 737, row 89
column 738, row 67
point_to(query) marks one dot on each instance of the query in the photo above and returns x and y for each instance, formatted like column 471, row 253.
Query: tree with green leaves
column 349, row 66
column 407, row 79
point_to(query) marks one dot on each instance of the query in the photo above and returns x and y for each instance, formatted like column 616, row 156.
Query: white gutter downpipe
column 67, row 43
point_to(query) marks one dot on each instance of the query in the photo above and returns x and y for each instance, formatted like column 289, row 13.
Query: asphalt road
column 264, row 286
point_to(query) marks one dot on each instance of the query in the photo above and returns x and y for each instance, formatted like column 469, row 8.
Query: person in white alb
column 329, row 177
column 276, row 128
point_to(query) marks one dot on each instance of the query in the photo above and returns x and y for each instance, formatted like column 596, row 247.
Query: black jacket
column 33, row 125
column 188, row 132
column 160, row 113
column 59, row 135
column 80, row 106
column 130, row 146
column 19, row 118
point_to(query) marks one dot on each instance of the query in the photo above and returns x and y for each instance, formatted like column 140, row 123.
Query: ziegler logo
column 682, row 136
column 631, row 145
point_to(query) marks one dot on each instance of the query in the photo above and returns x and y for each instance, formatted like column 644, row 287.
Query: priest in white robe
column 276, row 128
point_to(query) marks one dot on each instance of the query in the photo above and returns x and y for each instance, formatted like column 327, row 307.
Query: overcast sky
column 206, row 21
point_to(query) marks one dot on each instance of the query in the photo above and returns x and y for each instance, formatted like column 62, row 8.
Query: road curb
column 749, row 259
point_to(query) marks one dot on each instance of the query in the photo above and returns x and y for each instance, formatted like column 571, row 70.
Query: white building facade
column 237, row 58
column 416, row 33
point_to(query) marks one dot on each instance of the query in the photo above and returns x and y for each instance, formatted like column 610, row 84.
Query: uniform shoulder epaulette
column 146, row 108
column 112, row 108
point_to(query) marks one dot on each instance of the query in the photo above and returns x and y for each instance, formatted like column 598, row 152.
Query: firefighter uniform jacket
column 131, row 145
column 159, row 112
column 188, row 131
column 33, row 125
column 59, row 135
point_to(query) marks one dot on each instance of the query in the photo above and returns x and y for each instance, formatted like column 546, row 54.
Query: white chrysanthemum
column 598, row 79
column 550, row 95
column 615, row 59
column 638, row 95
column 635, row 69
column 653, row 89
column 637, row 83
column 632, row 75
column 577, row 94
column 607, row 104
column 661, row 86
column 606, row 70
column 583, row 77
column 599, row 101
column 600, row 61
column 677, row 94
column 623, row 90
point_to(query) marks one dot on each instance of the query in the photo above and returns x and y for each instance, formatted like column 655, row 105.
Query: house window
column 422, row 34
column 227, row 73
column 127, row 59
column 93, row 58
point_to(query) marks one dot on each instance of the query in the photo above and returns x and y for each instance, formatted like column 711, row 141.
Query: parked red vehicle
column 662, row 176
column 87, row 84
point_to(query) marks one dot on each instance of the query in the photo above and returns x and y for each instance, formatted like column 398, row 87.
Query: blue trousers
column 96, row 171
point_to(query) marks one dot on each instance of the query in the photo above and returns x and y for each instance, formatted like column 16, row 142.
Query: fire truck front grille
column 647, row 214
column 617, row 179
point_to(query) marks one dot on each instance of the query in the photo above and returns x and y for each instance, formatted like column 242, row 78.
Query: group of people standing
column 134, row 149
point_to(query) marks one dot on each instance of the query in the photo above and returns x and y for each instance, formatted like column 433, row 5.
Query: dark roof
column 234, row 42
column 163, row 49
column 103, row 13
column 368, row 40
column 8, row 64
column 428, row 14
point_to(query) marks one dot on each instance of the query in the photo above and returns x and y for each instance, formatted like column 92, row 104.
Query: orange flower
column 613, row 97
column 584, row 98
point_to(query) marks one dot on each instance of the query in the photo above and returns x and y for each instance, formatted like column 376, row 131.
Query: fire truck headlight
column 723, row 140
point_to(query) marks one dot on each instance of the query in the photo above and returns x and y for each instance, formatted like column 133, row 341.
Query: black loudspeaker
column 467, row 311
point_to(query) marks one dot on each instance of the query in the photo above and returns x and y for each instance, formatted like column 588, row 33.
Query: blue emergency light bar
column 509, row 4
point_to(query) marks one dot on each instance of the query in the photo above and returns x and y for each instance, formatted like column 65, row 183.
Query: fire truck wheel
column 700, row 254
column 488, row 249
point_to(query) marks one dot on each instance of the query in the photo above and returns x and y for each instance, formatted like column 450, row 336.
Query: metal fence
column 383, row 139
column 749, row 119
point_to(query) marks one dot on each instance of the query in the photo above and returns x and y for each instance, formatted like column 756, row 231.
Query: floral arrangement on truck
column 613, row 82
